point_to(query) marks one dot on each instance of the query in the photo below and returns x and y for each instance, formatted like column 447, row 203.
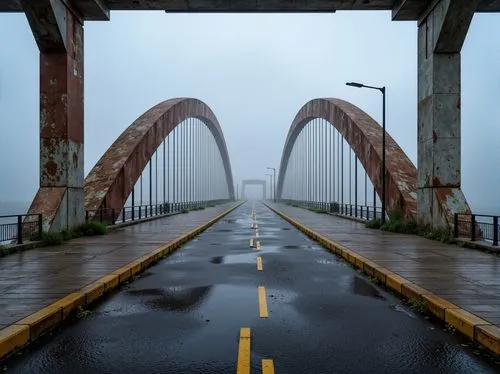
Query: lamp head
column 354, row 84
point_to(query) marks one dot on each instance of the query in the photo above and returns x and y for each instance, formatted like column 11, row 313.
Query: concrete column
column 441, row 34
column 59, row 35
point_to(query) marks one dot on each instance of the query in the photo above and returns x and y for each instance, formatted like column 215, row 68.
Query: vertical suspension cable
column 325, row 159
column 164, row 176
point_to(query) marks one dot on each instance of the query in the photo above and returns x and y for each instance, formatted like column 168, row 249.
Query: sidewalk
column 29, row 281
column 467, row 278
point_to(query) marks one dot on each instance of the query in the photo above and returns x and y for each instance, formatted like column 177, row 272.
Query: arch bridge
column 332, row 159
column 171, row 159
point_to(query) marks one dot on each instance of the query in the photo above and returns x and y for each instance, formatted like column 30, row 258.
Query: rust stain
column 364, row 136
column 110, row 182
column 75, row 160
column 50, row 168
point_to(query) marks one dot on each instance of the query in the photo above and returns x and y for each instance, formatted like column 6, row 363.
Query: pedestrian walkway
column 31, row 280
column 467, row 278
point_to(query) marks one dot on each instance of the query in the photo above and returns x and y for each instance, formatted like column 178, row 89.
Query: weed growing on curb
column 82, row 313
column 418, row 305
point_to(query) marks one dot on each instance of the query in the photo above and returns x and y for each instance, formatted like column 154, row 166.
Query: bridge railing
column 364, row 212
column 112, row 216
column 477, row 227
column 16, row 227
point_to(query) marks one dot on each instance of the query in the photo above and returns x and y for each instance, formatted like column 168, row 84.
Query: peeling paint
column 130, row 153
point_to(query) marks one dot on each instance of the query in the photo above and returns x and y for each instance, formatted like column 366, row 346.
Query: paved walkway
column 34, row 279
column 467, row 278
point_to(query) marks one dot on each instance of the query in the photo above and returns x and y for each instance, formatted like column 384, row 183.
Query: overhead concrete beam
column 408, row 10
column 93, row 10
column 47, row 20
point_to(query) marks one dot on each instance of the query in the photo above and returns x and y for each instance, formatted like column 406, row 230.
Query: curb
column 25, row 331
column 476, row 329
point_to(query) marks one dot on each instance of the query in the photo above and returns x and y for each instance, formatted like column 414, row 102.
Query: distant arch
column 364, row 136
column 112, row 179
column 261, row 182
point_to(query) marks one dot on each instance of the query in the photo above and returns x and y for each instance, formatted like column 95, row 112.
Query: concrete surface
column 186, row 313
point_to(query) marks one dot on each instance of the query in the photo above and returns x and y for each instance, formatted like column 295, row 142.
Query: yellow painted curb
column 42, row 321
column 70, row 303
column 13, row 337
column 488, row 336
column 438, row 305
column 464, row 321
column 26, row 330
column 477, row 329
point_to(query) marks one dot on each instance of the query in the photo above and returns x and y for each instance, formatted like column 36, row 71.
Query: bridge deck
column 467, row 278
column 34, row 279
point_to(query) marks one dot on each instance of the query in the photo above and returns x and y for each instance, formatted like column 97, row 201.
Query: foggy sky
column 255, row 72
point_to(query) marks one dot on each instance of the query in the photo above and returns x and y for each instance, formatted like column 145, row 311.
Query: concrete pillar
column 441, row 34
column 59, row 35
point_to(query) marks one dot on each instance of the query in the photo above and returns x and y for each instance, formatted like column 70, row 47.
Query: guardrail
column 364, row 212
column 477, row 227
column 114, row 216
column 18, row 226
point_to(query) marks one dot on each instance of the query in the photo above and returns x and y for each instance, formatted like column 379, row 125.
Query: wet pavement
column 184, row 315
column 33, row 279
column 467, row 278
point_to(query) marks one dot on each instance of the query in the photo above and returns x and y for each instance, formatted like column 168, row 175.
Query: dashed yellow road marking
column 263, row 303
column 267, row 366
column 257, row 246
column 251, row 243
column 243, row 366
column 259, row 263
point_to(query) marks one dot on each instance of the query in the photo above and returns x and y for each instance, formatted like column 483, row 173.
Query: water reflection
column 363, row 288
column 173, row 298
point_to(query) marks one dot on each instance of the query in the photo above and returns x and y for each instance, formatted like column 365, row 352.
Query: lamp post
column 381, row 89
column 270, row 185
column 274, row 182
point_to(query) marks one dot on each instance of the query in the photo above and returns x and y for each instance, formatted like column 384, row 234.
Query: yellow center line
column 251, row 243
column 267, row 366
column 244, row 352
column 257, row 247
column 263, row 303
column 259, row 263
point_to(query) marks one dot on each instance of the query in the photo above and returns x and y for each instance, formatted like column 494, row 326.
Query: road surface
column 305, row 311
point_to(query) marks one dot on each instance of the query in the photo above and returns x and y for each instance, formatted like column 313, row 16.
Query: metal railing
column 113, row 216
column 357, row 211
column 16, row 227
column 477, row 227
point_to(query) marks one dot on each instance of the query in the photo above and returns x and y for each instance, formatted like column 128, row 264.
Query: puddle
column 399, row 308
column 291, row 247
column 217, row 260
column 364, row 288
column 215, row 244
column 244, row 258
column 286, row 229
column 171, row 298
column 223, row 230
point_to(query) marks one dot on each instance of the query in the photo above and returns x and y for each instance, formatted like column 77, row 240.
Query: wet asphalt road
column 184, row 315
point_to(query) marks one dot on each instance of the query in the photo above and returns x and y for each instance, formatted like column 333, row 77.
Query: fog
column 255, row 72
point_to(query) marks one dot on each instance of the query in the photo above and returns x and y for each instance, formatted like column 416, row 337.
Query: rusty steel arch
column 112, row 179
column 364, row 136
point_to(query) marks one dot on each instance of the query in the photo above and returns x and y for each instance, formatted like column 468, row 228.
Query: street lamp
column 270, row 185
column 274, row 183
column 381, row 89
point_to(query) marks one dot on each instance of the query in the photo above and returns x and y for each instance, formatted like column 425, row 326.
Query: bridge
column 251, row 281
